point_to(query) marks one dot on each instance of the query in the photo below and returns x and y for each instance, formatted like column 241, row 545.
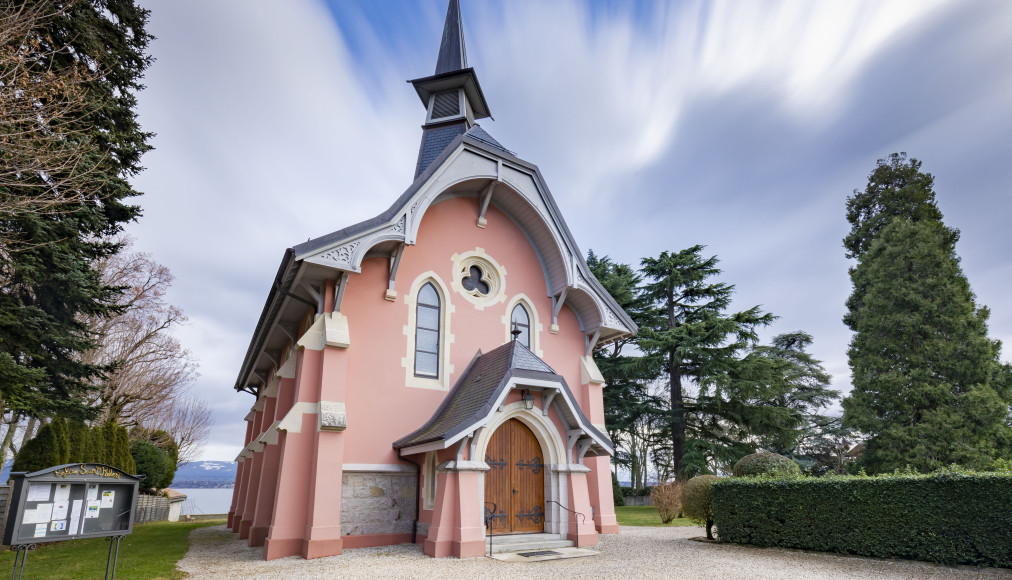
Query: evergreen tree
column 153, row 463
column 928, row 386
column 798, row 384
column 99, row 447
column 47, row 449
column 49, row 283
column 692, row 338
column 625, row 399
column 62, row 434
column 81, row 448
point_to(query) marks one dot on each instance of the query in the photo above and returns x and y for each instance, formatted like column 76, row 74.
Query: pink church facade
column 427, row 375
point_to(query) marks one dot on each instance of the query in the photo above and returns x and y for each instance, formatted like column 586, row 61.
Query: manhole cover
column 541, row 553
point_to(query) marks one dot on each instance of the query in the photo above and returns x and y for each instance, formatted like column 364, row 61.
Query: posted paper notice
column 92, row 492
column 39, row 491
column 60, row 510
column 40, row 530
column 92, row 510
column 62, row 492
column 108, row 497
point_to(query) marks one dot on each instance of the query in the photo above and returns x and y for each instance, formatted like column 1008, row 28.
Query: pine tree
column 695, row 341
column 49, row 283
column 625, row 399
column 928, row 387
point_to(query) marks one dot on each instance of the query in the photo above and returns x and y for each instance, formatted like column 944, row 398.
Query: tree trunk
column 677, row 416
column 709, row 529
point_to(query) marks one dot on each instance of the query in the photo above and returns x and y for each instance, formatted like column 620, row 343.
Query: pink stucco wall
column 369, row 377
column 380, row 408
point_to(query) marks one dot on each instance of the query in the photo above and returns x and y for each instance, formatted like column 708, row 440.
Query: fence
column 151, row 508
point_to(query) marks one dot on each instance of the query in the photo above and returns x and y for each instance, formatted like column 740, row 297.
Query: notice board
column 67, row 502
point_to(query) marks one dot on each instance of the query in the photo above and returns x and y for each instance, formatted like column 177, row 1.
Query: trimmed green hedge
column 952, row 518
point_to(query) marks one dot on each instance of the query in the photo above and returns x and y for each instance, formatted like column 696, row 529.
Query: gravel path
column 634, row 553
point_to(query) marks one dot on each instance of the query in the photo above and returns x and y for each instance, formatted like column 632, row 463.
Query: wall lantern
column 528, row 399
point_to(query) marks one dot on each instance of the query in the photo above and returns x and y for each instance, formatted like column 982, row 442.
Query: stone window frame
column 493, row 274
column 441, row 382
column 536, row 328
column 419, row 306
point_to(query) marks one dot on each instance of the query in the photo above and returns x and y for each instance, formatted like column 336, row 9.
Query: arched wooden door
column 515, row 481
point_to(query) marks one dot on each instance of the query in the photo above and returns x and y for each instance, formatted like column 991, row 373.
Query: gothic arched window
column 521, row 321
column 427, row 332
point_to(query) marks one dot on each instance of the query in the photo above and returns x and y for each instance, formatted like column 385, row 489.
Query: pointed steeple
column 452, row 52
column 452, row 96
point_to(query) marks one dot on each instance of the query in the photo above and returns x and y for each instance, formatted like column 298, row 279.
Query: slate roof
column 452, row 52
column 480, row 134
column 473, row 398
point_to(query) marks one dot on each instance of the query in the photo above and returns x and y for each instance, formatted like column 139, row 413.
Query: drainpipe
column 418, row 497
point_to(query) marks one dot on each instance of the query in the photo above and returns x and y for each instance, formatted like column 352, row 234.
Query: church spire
column 452, row 96
column 452, row 52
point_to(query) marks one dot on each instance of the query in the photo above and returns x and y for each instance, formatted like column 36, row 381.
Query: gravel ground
column 634, row 553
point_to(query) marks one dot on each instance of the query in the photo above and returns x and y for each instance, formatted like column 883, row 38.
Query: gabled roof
column 520, row 192
column 481, row 389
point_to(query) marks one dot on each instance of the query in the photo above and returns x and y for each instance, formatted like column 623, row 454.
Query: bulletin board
column 68, row 502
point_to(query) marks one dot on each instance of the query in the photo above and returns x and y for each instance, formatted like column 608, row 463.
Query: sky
column 740, row 125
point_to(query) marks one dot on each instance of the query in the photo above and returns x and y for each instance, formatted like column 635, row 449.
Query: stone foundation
column 377, row 503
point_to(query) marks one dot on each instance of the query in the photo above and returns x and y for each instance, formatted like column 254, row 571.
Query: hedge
column 951, row 518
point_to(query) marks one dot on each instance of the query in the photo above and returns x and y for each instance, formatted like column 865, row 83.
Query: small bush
column 697, row 501
column 764, row 463
column 667, row 498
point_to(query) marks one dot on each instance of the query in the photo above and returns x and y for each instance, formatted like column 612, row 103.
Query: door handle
column 514, row 492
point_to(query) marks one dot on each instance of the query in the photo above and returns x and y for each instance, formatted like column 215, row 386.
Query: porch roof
column 481, row 389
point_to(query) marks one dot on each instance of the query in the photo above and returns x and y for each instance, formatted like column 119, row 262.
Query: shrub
column 697, row 501
column 40, row 452
column 667, row 498
column 951, row 517
column 153, row 463
column 616, row 490
column 764, row 463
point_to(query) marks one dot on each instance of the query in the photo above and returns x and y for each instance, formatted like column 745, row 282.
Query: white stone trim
column 495, row 277
column 589, row 373
column 377, row 468
column 446, row 309
column 287, row 368
column 292, row 421
column 536, row 327
column 332, row 416
column 329, row 329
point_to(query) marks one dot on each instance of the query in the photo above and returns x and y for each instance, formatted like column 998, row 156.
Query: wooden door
column 515, row 481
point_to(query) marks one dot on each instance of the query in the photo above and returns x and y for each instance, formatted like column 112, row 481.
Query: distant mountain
column 200, row 474
column 196, row 474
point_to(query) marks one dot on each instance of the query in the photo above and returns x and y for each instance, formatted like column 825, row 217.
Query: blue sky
column 740, row 125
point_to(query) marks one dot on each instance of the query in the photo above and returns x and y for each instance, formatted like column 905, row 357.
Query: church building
column 427, row 375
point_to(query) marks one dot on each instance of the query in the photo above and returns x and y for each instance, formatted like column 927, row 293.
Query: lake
column 206, row 501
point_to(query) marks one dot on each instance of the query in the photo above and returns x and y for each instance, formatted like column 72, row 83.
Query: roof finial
column 452, row 53
column 516, row 331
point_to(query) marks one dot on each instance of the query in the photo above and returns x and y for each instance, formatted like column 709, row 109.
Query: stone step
column 527, row 543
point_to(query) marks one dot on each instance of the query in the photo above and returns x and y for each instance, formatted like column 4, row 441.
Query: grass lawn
column 646, row 515
column 150, row 552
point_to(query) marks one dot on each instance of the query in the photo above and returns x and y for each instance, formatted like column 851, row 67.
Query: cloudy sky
column 740, row 125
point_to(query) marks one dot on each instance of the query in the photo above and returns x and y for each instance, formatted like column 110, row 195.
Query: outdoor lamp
column 528, row 400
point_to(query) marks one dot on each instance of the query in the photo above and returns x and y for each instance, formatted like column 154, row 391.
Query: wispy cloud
column 741, row 125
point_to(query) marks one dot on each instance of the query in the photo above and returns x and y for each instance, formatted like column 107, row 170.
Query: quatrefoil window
column 474, row 283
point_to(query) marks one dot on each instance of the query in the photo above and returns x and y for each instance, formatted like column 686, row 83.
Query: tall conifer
column 928, row 386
